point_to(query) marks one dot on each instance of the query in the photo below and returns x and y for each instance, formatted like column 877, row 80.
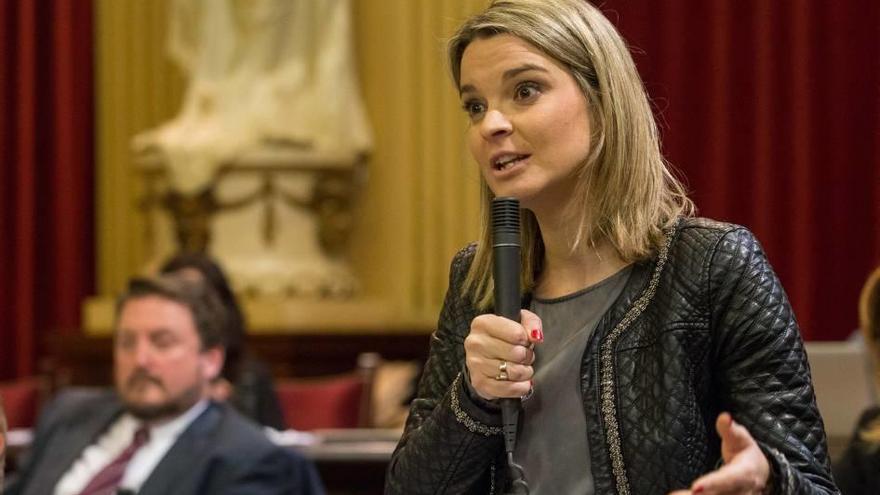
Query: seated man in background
column 244, row 381
column 159, row 433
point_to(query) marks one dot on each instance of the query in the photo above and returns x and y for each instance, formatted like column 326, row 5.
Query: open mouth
column 505, row 162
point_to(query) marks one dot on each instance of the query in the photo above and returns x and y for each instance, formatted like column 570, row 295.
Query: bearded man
column 159, row 432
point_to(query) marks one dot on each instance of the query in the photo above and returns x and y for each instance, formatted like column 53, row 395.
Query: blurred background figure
column 245, row 381
column 858, row 470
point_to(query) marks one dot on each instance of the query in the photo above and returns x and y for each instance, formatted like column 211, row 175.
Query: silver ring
column 501, row 377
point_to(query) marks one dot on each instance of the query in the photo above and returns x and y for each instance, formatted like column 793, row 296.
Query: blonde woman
column 657, row 351
column 858, row 471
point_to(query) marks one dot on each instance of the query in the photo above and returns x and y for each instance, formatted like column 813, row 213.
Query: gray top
column 552, row 445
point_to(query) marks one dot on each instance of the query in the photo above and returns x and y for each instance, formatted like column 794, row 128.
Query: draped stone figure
column 272, row 119
column 260, row 72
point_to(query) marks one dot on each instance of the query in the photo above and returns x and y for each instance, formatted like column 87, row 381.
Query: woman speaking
column 655, row 351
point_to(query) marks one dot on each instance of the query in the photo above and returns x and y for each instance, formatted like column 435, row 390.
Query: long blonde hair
column 625, row 192
column 869, row 323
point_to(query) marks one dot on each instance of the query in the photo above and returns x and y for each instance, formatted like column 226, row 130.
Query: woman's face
column 530, row 126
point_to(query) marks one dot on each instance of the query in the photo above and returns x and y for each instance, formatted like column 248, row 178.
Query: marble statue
column 273, row 90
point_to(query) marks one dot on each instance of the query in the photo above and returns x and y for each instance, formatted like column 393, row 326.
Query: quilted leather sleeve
column 763, row 374
column 449, row 444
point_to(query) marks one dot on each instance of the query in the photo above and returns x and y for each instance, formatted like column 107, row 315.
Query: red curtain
column 771, row 111
column 46, row 174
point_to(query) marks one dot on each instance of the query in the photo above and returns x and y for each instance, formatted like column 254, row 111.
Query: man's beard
column 170, row 408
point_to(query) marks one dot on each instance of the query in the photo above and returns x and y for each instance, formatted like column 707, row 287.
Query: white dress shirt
column 115, row 440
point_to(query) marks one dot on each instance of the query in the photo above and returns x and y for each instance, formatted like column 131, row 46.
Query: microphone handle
column 507, row 304
column 506, row 271
column 506, row 274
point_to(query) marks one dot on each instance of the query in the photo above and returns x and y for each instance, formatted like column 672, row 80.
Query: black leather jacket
column 703, row 327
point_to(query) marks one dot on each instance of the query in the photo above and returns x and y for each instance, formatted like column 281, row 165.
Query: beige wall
column 421, row 200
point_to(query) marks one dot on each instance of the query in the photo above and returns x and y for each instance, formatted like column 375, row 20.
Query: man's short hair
column 207, row 311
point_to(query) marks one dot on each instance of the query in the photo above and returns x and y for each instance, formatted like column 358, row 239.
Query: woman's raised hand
column 499, row 354
column 745, row 469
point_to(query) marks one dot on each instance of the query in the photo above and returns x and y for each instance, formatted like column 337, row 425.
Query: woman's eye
column 527, row 91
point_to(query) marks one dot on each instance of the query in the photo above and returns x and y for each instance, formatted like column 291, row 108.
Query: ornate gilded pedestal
column 278, row 220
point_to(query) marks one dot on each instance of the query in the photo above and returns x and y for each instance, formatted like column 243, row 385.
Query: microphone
column 506, row 272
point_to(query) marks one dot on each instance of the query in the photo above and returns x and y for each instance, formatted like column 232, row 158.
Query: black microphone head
column 505, row 221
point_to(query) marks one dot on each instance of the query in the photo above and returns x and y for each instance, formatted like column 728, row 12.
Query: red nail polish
column 537, row 334
column 698, row 489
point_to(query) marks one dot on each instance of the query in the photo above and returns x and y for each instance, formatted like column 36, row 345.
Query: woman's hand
column 745, row 469
column 499, row 355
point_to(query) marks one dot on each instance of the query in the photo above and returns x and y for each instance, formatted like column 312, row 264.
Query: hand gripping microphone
column 506, row 271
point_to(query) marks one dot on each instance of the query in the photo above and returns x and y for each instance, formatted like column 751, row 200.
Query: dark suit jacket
column 254, row 394
column 220, row 452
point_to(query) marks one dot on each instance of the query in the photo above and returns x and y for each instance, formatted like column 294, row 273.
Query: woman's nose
column 495, row 124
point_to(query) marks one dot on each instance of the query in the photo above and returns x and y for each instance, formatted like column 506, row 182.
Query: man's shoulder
column 220, row 451
column 75, row 403
column 237, row 425
column 242, row 449
column 227, row 445
column 236, row 434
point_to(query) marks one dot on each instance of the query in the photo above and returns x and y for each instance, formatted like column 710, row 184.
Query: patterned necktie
column 106, row 481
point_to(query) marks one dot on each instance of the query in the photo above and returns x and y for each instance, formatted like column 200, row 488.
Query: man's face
column 160, row 367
